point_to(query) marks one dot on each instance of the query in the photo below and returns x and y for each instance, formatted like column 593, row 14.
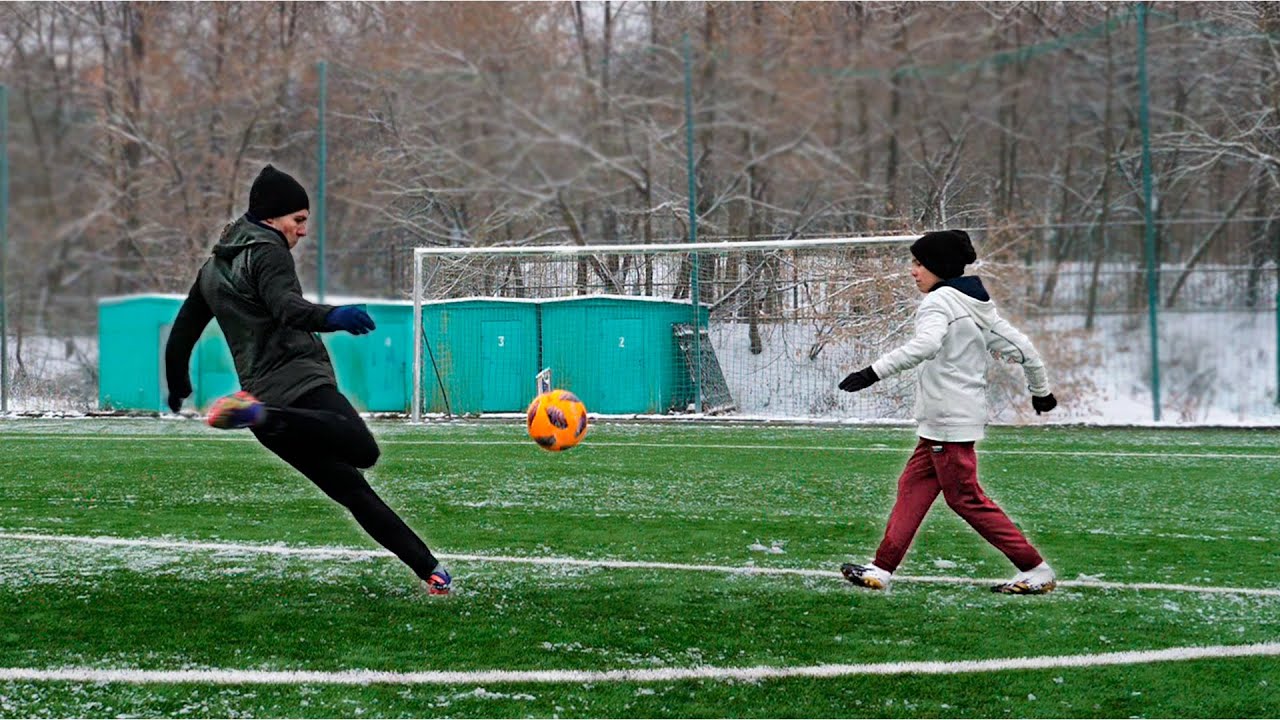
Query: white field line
column 750, row 674
column 351, row 553
column 903, row 450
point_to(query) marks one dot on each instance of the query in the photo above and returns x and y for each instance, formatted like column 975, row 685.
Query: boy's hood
column 970, row 285
column 969, row 292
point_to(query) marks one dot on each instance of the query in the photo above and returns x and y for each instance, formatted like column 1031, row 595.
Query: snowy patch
column 775, row 547
column 483, row 694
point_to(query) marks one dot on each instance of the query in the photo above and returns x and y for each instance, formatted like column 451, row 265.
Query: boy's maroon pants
column 950, row 468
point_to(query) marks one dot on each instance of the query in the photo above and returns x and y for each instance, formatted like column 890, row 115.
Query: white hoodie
column 954, row 333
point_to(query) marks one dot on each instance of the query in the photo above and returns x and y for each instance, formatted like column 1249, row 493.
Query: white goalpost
column 755, row 328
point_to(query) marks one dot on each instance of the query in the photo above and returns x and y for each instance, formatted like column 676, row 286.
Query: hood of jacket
column 968, row 293
column 970, row 285
column 243, row 233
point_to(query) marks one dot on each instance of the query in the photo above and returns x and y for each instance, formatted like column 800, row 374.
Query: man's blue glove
column 351, row 318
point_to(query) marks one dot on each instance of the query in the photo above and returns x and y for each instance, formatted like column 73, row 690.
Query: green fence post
column 1153, row 280
column 694, row 293
column 322, row 159
column 4, row 246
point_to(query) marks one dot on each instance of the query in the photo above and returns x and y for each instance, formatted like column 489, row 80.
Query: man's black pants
column 324, row 438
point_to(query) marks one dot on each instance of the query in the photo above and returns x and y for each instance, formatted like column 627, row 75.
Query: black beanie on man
column 944, row 252
column 275, row 193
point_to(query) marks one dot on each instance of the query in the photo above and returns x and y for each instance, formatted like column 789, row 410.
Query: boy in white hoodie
column 956, row 327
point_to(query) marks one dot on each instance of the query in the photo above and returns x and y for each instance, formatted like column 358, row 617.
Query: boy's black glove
column 866, row 377
column 1044, row 404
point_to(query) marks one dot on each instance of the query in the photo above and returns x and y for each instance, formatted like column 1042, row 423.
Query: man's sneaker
column 440, row 581
column 1037, row 581
column 867, row 576
column 236, row 411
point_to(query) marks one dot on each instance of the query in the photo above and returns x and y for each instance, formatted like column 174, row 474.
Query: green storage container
column 618, row 354
column 132, row 331
column 480, row 355
column 374, row 371
column 213, row 371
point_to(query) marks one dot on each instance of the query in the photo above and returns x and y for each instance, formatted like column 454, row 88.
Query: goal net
column 750, row 329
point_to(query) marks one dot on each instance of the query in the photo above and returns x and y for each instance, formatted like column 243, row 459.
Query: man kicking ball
column 290, row 399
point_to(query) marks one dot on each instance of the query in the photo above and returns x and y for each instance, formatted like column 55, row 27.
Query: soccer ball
column 557, row 420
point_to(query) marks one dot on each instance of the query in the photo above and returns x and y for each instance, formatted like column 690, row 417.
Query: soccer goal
column 752, row 329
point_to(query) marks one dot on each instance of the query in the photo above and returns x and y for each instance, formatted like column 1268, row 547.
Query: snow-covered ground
column 53, row 374
column 1215, row 368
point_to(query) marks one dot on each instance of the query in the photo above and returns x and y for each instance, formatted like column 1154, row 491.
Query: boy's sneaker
column 867, row 576
column 440, row 582
column 1037, row 581
column 241, row 410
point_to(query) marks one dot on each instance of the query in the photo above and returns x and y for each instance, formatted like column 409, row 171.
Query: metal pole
column 694, row 292
column 415, row 412
column 1148, row 213
column 4, row 246
column 323, row 152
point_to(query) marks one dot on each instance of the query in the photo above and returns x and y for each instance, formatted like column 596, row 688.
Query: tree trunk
column 891, row 207
column 1100, row 237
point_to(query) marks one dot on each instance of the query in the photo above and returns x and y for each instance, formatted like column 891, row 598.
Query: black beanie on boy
column 275, row 193
column 944, row 252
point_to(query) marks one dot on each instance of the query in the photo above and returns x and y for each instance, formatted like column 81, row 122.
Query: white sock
column 1042, row 571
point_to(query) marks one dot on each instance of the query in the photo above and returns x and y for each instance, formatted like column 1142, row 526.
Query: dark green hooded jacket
column 251, row 286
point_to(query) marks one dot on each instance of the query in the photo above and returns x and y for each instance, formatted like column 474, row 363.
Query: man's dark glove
column 1044, row 404
column 177, row 395
column 864, row 378
column 351, row 318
